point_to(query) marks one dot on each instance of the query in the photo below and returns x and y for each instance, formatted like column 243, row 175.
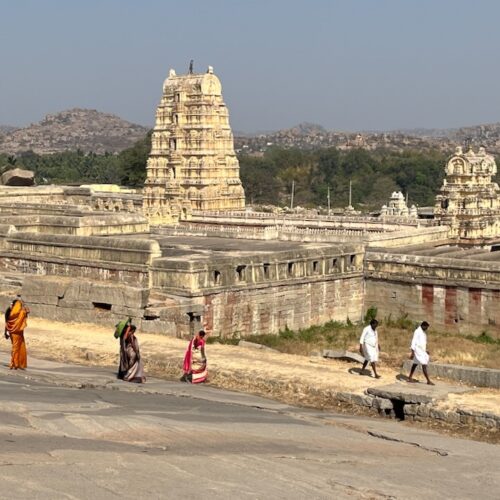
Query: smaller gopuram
column 192, row 164
column 397, row 207
column 468, row 200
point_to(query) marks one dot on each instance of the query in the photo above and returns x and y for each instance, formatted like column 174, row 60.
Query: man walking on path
column 419, row 353
column 369, row 346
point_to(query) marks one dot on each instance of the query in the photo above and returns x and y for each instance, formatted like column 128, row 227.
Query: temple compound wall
column 174, row 285
column 454, row 295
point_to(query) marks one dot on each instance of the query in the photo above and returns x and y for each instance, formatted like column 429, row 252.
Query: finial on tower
column 191, row 65
column 210, row 70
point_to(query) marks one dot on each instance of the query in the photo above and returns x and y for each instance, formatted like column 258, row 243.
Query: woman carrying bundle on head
column 131, row 368
column 195, row 360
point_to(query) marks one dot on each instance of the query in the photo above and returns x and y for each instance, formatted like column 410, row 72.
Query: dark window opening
column 334, row 264
column 240, row 271
column 444, row 204
column 315, row 266
column 102, row 306
column 290, row 268
column 266, row 267
column 217, row 277
column 352, row 260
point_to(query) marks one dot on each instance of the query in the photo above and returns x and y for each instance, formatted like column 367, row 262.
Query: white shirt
column 419, row 341
column 369, row 336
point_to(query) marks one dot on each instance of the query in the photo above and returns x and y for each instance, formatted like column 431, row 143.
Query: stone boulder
column 18, row 177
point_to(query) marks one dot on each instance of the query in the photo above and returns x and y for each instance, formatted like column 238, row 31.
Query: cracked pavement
column 73, row 432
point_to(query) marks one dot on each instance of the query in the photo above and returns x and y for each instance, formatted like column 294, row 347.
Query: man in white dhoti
column 419, row 353
column 369, row 346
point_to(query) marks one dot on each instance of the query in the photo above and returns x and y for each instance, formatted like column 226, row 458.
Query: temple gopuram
column 468, row 200
column 192, row 165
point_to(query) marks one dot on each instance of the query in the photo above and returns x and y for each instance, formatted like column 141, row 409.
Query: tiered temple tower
column 468, row 200
column 192, row 164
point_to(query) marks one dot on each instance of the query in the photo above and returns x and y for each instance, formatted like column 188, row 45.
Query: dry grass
column 395, row 339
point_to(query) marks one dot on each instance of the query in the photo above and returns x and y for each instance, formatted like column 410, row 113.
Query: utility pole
column 291, row 200
column 328, row 200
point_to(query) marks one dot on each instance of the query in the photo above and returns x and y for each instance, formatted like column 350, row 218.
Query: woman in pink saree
column 195, row 361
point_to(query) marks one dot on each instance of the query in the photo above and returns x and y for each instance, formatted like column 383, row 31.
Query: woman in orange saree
column 16, row 319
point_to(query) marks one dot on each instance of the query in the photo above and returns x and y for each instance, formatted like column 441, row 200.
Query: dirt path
column 285, row 377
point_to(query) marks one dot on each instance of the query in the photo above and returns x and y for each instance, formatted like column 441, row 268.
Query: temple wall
column 452, row 295
column 275, row 308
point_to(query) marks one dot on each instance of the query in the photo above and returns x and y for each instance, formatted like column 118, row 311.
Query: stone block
column 479, row 377
column 452, row 417
column 362, row 400
column 18, row 177
column 410, row 409
column 438, row 414
column 423, row 410
column 343, row 355
column 344, row 397
column 253, row 345
column 382, row 404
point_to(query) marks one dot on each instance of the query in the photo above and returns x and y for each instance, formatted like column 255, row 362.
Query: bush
column 371, row 313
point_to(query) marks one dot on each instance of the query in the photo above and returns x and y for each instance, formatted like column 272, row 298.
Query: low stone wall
column 479, row 377
column 93, row 249
column 459, row 417
column 79, row 225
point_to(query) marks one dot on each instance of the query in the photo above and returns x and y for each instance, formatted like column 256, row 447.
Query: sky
column 347, row 65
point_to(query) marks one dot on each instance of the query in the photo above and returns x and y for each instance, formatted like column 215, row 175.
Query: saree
column 131, row 367
column 15, row 324
column 195, row 365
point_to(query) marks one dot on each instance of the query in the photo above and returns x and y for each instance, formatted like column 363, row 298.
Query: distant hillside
column 309, row 136
column 84, row 129
column 5, row 129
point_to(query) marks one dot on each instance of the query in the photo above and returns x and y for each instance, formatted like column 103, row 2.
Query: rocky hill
column 310, row 136
column 84, row 129
column 5, row 129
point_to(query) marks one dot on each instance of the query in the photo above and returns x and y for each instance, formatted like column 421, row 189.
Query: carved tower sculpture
column 192, row 164
column 468, row 200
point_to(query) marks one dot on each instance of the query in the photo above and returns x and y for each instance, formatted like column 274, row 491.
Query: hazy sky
column 348, row 65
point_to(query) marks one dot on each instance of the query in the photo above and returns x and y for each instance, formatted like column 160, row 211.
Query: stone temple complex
column 192, row 165
column 468, row 201
column 184, row 254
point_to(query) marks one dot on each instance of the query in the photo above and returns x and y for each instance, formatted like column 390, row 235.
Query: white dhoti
column 370, row 353
column 421, row 357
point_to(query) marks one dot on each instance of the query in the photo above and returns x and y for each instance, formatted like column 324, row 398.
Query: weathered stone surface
column 410, row 409
column 343, row 355
column 480, row 377
column 416, row 393
column 382, row 404
column 253, row 345
column 18, row 177
column 362, row 400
